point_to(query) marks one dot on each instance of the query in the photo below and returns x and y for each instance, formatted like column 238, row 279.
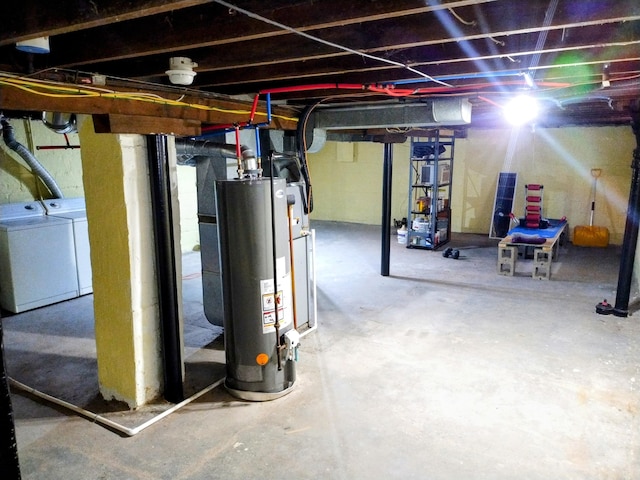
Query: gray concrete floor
column 443, row 370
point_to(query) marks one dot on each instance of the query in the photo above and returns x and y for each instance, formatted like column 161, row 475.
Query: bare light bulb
column 520, row 110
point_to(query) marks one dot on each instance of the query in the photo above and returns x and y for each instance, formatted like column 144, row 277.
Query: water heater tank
column 258, row 311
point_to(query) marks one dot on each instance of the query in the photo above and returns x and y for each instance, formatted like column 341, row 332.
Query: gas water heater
column 260, row 341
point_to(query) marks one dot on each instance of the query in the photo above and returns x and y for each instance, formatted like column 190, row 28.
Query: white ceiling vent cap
column 35, row 45
column 181, row 70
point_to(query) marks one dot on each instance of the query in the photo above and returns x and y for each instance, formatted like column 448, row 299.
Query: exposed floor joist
column 243, row 47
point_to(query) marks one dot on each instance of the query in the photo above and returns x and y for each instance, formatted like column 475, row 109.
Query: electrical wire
column 56, row 90
column 303, row 144
column 282, row 26
column 542, row 38
column 472, row 23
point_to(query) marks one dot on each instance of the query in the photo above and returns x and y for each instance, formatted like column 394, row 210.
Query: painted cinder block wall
column 347, row 177
column 18, row 184
column 347, row 180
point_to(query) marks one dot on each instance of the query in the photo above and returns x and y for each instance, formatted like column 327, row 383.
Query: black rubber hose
column 302, row 154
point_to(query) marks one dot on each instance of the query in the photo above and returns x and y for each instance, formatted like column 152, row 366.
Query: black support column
column 165, row 266
column 629, row 243
column 386, row 209
column 8, row 446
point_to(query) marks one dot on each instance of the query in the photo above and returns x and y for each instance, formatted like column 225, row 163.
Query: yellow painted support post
column 121, row 236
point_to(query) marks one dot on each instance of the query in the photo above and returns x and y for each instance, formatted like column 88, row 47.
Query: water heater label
column 276, row 303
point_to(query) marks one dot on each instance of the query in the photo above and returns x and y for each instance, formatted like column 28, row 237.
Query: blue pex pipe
column 508, row 73
column 258, row 152
column 268, row 108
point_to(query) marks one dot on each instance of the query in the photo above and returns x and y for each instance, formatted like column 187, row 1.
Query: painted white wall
column 18, row 184
column 561, row 159
column 347, row 178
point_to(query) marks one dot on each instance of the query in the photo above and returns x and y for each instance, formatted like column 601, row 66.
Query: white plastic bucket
column 402, row 236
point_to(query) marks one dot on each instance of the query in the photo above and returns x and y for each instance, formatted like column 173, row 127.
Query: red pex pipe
column 390, row 90
column 254, row 107
column 230, row 126
column 386, row 89
column 318, row 86
column 57, row 147
column 211, row 128
column 488, row 100
column 238, row 151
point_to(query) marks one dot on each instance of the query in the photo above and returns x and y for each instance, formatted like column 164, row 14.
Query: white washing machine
column 37, row 261
column 74, row 209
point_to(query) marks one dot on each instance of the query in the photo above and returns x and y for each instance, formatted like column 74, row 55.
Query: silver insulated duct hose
column 32, row 161
column 187, row 149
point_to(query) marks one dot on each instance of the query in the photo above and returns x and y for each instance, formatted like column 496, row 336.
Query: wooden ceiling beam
column 433, row 60
column 389, row 39
column 38, row 18
column 114, row 123
column 585, row 73
column 211, row 25
column 207, row 112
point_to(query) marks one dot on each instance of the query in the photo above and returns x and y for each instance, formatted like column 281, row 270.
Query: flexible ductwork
column 60, row 122
column 188, row 150
column 32, row 161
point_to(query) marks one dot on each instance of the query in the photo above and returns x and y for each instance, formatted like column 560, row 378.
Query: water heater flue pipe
column 32, row 161
column 204, row 148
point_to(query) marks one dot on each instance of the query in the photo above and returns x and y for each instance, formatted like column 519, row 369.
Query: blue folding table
column 543, row 241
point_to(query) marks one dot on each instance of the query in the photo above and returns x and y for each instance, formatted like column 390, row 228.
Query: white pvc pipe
column 110, row 423
column 314, row 286
column 105, row 422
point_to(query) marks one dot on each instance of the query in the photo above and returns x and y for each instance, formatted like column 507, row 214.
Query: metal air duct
column 437, row 112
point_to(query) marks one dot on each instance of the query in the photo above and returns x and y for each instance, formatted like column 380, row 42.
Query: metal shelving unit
column 430, row 177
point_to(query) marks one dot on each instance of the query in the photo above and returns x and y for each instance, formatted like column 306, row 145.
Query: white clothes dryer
column 37, row 259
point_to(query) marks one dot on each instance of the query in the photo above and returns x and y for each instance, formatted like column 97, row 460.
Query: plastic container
column 402, row 235
column 420, row 225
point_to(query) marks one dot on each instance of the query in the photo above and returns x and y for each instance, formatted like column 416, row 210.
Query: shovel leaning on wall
column 590, row 236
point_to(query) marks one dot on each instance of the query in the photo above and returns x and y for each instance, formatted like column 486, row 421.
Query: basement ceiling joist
column 25, row 20
column 474, row 47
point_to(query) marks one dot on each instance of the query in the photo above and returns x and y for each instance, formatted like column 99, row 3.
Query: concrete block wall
column 18, row 184
column 561, row 159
